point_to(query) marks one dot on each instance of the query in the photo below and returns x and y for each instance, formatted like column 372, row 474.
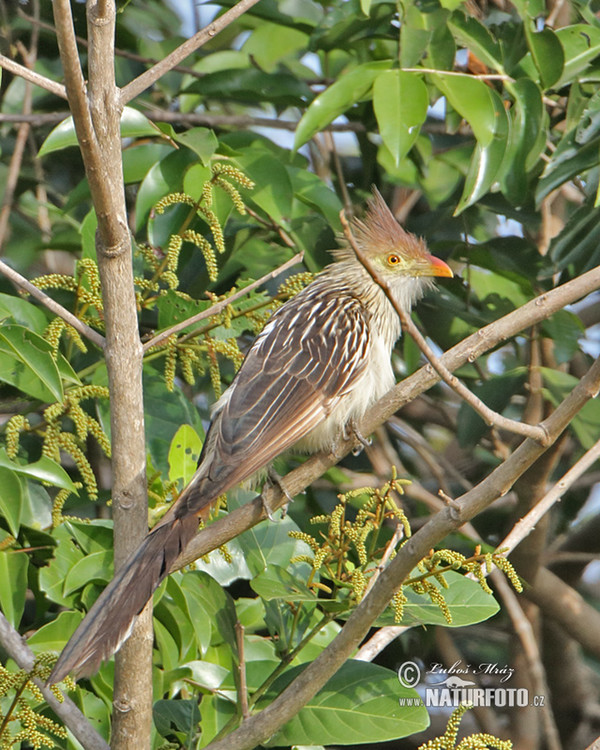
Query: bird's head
column 390, row 250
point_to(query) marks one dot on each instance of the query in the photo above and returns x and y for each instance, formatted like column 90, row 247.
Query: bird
column 321, row 360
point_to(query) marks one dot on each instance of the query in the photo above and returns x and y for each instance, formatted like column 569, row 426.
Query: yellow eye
column 393, row 259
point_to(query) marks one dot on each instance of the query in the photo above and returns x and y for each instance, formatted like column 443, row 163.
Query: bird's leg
column 351, row 430
column 274, row 479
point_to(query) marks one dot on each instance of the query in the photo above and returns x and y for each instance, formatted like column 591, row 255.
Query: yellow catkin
column 173, row 199
column 207, row 251
column 171, row 361
column 14, row 427
column 68, row 443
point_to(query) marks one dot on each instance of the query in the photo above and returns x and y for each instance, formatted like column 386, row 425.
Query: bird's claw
column 352, row 430
column 273, row 478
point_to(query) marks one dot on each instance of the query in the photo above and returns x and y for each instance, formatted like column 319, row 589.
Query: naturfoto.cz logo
column 450, row 687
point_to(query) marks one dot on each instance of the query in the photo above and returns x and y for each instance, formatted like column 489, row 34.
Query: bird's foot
column 274, row 479
column 351, row 430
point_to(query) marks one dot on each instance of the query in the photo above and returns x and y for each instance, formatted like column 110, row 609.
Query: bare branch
column 67, row 711
column 524, row 629
column 30, row 75
column 218, row 306
column 526, row 524
column 306, row 685
column 491, row 417
column 52, row 305
column 487, row 338
column 149, row 77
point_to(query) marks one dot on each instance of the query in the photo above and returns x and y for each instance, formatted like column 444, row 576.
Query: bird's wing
column 308, row 357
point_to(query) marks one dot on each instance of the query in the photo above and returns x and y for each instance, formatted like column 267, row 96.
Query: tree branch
column 30, row 75
column 469, row 349
column 525, row 525
column 218, row 306
column 261, row 726
column 52, row 305
column 67, row 711
column 150, row 76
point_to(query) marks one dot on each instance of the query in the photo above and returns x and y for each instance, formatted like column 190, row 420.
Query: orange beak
column 438, row 267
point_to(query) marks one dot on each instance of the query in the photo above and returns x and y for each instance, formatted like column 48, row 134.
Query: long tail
column 112, row 616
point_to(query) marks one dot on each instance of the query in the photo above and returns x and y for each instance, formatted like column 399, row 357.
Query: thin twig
column 461, row 74
column 30, row 75
column 526, row 524
column 150, row 76
column 524, row 630
column 16, row 158
column 222, row 304
column 489, row 415
column 52, row 305
column 66, row 710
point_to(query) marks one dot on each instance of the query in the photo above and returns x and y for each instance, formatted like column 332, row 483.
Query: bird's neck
column 350, row 276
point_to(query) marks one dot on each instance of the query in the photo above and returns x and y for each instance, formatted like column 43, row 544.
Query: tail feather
column 109, row 621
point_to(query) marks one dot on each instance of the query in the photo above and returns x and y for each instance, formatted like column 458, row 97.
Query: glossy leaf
column 484, row 111
column 581, row 44
column 27, row 363
column 201, row 141
column 97, row 566
column 472, row 34
column 547, row 54
column 527, row 139
column 184, row 454
column 349, row 89
column 22, row 312
column 279, row 583
column 369, row 692
column 568, row 160
column 11, row 498
column 400, row 101
column 43, row 470
column 133, row 125
column 13, row 574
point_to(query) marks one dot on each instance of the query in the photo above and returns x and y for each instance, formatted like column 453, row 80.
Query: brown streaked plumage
column 322, row 359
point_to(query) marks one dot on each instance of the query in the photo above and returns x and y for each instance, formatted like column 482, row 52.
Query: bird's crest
column 379, row 232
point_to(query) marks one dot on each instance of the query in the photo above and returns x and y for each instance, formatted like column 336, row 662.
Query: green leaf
column 11, row 498
column 252, row 85
column 279, row 583
column 215, row 602
column 565, row 329
column 13, row 574
column 349, row 89
column 527, row 139
column 273, row 192
column 467, row 601
column 27, row 363
column 547, row 54
column 570, row 158
column 164, row 177
column 184, row 454
column 472, row 34
column 266, row 544
column 496, row 393
column 23, row 313
column 44, row 470
column 176, row 715
column 483, row 109
column 96, row 567
column 581, row 44
column 400, row 101
column 359, row 704
column 133, row 124
column 54, row 635
column 202, row 141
